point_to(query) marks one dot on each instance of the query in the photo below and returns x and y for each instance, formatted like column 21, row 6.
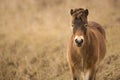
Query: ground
column 34, row 35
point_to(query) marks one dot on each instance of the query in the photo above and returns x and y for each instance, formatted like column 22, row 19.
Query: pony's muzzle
column 79, row 42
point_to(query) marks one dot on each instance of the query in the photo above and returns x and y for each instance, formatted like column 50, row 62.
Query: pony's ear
column 71, row 11
column 86, row 12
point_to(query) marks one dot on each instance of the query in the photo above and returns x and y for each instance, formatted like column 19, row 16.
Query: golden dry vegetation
column 34, row 35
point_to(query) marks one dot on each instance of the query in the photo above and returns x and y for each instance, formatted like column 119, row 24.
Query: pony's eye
column 72, row 25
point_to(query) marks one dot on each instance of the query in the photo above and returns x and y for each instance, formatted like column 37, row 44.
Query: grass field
column 34, row 35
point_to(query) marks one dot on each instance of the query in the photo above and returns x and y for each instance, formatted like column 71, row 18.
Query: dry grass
column 34, row 35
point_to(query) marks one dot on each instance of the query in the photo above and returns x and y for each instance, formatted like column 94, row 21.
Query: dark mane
column 76, row 11
column 98, row 27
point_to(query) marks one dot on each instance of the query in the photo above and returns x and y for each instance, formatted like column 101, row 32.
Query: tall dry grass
column 34, row 35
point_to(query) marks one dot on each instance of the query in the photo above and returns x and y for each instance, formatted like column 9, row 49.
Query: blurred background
column 34, row 35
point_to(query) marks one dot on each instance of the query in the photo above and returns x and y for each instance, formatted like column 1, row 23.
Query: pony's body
column 84, row 60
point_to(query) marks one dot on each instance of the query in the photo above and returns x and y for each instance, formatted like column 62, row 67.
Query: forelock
column 77, row 11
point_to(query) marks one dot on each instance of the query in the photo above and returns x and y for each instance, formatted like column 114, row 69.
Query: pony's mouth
column 79, row 45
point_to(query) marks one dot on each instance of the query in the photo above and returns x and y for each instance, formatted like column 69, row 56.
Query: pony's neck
column 89, row 36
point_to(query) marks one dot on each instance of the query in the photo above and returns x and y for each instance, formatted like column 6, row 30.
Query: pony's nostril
column 81, row 41
column 76, row 41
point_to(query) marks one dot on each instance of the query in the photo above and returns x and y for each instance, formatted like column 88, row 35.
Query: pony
column 86, row 47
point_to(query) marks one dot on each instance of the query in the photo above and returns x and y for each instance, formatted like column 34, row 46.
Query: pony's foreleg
column 93, row 74
column 74, row 73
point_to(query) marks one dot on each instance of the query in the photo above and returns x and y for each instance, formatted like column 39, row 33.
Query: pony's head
column 79, row 24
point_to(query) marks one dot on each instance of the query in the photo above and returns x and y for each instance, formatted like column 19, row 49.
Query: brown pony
column 86, row 47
